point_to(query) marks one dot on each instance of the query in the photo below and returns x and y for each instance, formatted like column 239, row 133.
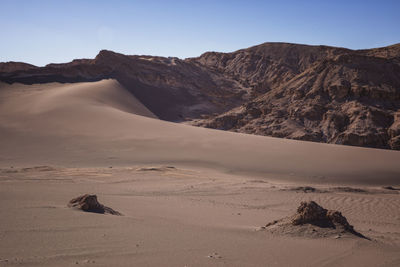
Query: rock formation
column 15, row 66
column 314, row 93
column 89, row 203
column 171, row 88
column 310, row 214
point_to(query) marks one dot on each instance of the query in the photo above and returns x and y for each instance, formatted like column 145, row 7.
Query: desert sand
column 189, row 196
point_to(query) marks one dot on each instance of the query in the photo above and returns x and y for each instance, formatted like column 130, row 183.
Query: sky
column 41, row 32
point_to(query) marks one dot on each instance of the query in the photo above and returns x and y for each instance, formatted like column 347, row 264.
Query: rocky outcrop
column 312, row 213
column 89, row 203
column 313, row 220
column 15, row 66
column 313, row 93
column 394, row 132
column 324, row 94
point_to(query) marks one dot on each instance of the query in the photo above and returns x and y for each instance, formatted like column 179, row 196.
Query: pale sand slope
column 174, row 217
column 93, row 124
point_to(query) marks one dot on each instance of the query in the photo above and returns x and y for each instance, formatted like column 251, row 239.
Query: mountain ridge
column 305, row 92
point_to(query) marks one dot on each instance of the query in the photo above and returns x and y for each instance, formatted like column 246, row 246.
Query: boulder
column 89, row 203
column 312, row 213
column 312, row 220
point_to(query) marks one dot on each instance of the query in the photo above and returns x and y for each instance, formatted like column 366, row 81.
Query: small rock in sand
column 311, row 212
column 311, row 215
column 214, row 255
column 391, row 188
column 89, row 203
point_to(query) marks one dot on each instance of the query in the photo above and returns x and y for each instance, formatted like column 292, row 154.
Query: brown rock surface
column 89, row 203
column 312, row 213
column 15, row 66
column 312, row 219
column 314, row 93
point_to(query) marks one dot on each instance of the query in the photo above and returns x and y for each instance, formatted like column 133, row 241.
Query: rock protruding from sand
column 312, row 213
column 89, row 203
column 313, row 220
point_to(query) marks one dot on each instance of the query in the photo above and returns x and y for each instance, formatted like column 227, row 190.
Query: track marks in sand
column 340, row 189
column 373, row 208
column 53, row 174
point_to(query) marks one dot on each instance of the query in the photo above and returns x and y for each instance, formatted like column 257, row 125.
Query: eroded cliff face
column 14, row 66
column 314, row 93
column 320, row 94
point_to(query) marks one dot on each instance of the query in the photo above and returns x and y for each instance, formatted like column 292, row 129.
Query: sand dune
column 91, row 124
column 54, row 101
column 189, row 196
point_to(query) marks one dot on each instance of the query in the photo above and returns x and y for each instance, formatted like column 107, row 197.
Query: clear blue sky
column 40, row 32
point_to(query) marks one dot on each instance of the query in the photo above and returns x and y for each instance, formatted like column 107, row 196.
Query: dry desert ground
column 188, row 196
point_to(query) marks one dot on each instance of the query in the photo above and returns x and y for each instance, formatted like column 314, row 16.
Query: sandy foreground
column 190, row 196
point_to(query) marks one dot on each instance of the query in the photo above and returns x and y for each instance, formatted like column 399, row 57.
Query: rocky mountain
column 14, row 66
column 313, row 93
column 171, row 88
